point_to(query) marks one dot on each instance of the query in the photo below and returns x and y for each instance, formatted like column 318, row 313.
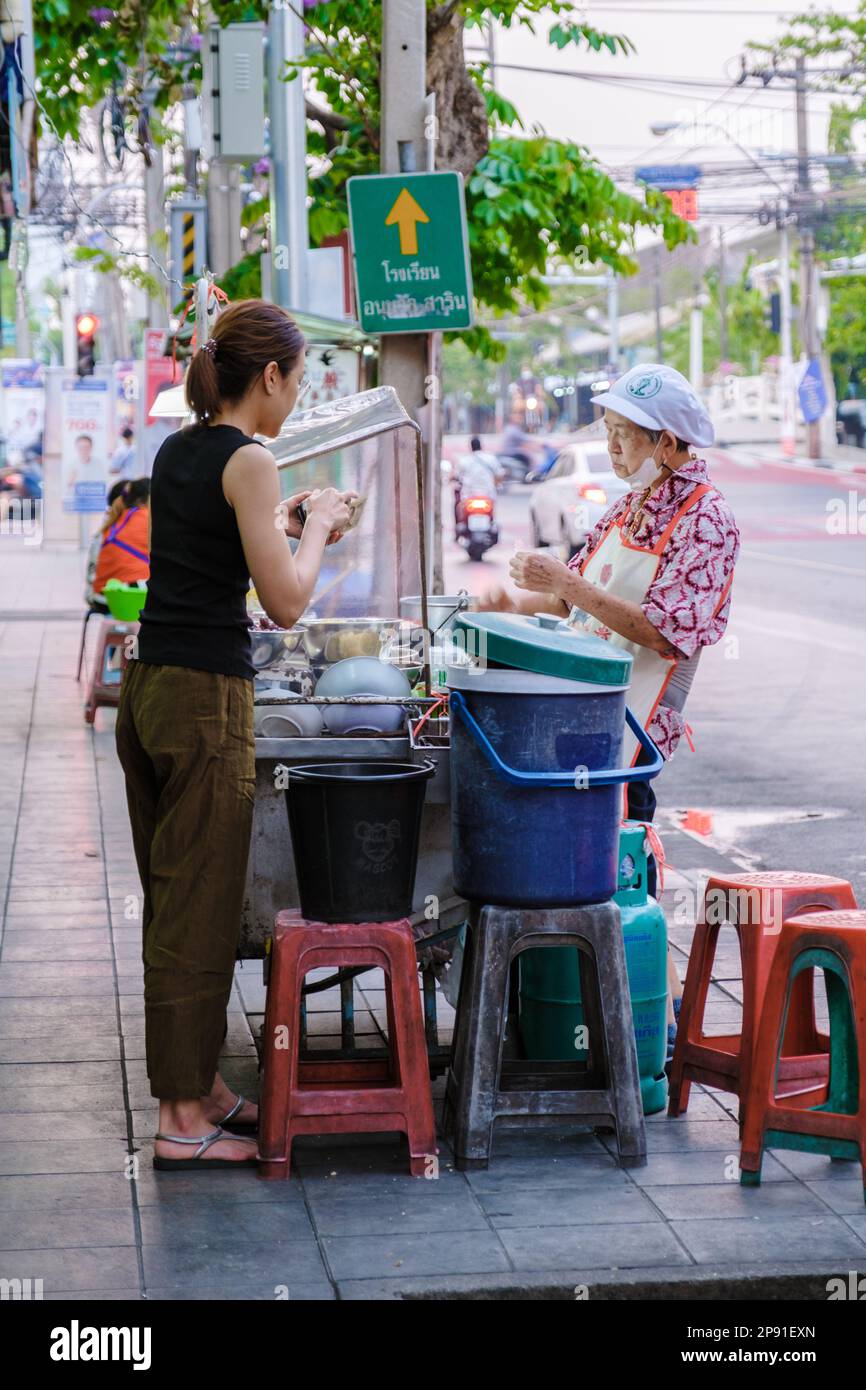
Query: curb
column 752, row 1283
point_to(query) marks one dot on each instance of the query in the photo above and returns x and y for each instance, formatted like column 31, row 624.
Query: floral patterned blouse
column 693, row 571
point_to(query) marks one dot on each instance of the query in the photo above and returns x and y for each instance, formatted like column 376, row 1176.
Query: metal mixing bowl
column 269, row 647
column 327, row 640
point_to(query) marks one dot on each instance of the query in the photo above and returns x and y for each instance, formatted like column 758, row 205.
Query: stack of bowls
column 363, row 675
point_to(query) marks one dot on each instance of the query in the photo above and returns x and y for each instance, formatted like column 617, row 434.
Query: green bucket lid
column 545, row 646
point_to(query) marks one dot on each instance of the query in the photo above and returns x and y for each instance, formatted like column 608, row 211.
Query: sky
column 688, row 40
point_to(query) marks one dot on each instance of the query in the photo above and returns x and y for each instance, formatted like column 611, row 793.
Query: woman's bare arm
column 284, row 582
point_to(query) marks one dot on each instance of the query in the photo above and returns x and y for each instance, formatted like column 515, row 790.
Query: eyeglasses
column 303, row 386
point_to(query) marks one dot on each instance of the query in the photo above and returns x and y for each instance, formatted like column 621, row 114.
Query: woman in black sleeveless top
column 185, row 722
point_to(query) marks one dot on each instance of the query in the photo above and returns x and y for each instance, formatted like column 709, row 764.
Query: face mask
column 645, row 475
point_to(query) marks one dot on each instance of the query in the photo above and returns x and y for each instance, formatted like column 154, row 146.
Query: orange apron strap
column 690, row 501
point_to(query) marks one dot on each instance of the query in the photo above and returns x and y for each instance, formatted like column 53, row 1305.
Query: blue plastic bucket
column 536, row 787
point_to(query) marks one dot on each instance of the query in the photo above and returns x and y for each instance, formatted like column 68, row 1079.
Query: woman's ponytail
column 202, row 384
column 245, row 338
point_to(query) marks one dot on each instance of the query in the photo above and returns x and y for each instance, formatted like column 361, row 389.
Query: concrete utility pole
column 808, row 296
column 289, row 234
column 403, row 356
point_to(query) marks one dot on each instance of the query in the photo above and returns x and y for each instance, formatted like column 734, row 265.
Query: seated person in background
column 113, row 508
column 125, row 550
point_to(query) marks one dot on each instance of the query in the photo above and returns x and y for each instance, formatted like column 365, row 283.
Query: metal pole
column 696, row 347
column 289, row 235
column 787, row 414
column 723, row 301
column 224, row 215
column 808, row 296
column 613, row 321
column 658, row 298
column 491, row 50
column 154, row 204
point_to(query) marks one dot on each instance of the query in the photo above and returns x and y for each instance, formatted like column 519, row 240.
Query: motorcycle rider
column 478, row 475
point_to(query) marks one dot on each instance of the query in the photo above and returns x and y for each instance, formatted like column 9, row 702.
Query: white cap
column 659, row 398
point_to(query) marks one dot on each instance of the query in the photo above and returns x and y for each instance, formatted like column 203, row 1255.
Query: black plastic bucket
column 355, row 829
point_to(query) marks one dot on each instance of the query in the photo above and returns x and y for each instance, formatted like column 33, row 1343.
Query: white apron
column 627, row 571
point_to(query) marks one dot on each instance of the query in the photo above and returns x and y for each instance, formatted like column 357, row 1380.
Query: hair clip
column 210, row 346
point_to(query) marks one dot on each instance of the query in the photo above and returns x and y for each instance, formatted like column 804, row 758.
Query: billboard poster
column 85, row 407
column 23, row 406
column 333, row 372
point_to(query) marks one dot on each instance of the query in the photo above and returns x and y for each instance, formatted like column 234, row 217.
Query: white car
column 576, row 493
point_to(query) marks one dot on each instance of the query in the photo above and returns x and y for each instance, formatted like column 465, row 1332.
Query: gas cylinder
column 550, row 1000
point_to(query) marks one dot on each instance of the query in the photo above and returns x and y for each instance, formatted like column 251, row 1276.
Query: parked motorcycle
column 476, row 526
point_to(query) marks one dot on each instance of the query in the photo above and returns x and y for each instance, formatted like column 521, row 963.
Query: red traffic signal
column 85, row 328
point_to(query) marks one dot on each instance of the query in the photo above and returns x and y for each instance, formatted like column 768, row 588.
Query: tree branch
column 329, row 119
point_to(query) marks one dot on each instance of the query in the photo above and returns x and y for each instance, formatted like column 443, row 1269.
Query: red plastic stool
column 725, row 1061
column 337, row 1096
column 102, row 687
column 834, row 942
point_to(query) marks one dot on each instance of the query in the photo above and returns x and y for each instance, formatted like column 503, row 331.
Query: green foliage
column 563, row 34
column 530, row 200
column 244, row 280
column 111, row 263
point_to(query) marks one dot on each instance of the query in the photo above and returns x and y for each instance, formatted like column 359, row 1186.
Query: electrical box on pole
column 233, row 92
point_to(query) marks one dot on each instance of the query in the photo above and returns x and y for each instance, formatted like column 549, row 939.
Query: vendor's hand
column 288, row 514
column 531, row 569
column 333, row 507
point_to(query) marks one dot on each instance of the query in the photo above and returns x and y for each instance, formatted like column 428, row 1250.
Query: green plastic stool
column 834, row 942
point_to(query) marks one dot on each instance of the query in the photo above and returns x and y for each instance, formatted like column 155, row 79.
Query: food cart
column 367, row 443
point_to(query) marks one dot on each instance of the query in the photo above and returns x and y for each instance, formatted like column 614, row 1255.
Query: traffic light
column 775, row 315
column 86, row 326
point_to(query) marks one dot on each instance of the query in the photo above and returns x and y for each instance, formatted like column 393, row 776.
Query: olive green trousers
column 185, row 742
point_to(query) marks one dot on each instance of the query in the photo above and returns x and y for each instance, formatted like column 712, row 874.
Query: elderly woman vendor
column 654, row 575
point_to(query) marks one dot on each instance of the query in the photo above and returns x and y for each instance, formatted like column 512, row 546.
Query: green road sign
column 411, row 252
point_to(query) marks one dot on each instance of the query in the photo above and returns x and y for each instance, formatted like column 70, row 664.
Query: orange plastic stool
column 344, row 1096
column 725, row 1061
column 836, row 1126
column 102, row 688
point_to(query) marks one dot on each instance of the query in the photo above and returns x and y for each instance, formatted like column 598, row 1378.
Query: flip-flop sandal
column 238, row 1126
column 177, row 1165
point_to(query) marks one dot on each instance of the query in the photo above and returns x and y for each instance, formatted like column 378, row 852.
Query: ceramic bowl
column 375, row 720
column 363, row 675
column 293, row 720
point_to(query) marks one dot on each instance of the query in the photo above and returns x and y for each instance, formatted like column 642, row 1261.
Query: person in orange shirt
column 125, row 550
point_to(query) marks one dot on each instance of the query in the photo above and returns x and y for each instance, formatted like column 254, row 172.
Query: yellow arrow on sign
column 407, row 213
